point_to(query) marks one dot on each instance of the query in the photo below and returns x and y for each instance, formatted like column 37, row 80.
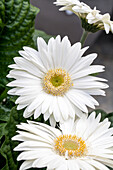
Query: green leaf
column 2, row 129
column 2, row 15
column 7, row 147
column 3, row 95
column 4, row 113
column 17, row 29
column 42, row 34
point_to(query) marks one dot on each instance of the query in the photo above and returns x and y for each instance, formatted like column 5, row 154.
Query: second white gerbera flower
column 86, row 144
column 55, row 80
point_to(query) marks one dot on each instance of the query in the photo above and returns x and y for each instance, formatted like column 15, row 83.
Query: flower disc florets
column 57, row 82
column 70, row 146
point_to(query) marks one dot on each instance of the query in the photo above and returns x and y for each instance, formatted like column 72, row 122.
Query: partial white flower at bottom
column 85, row 144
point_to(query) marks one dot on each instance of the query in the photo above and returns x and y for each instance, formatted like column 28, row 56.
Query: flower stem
column 84, row 36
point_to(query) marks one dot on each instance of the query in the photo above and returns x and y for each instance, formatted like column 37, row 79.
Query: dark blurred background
column 54, row 22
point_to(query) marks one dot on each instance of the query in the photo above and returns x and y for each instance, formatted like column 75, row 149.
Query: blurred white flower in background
column 87, row 15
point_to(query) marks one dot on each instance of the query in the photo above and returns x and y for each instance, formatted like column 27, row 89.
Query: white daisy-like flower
column 82, row 10
column 86, row 144
column 92, row 20
column 55, row 80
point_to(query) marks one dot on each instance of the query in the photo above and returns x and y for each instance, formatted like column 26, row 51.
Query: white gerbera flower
column 82, row 10
column 92, row 20
column 55, row 80
column 86, row 144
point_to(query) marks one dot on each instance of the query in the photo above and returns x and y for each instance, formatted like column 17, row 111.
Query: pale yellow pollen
column 75, row 146
column 57, row 82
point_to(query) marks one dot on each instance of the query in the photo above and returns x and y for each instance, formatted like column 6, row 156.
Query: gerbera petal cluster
column 55, row 80
column 68, row 4
column 92, row 20
column 85, row 143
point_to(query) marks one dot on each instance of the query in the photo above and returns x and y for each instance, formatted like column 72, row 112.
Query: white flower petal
column 64, row 109
column 84, row 165
column 32, row 55
column 107, row 28
column 46, row 103
column 77, row 102
column 21, row 106
column 87, row 71
column 46, row 115
column 38, row 100
column 52, row 121
column 53, row 131
column 27, row 114
column 72, row 165
column 65, row 48
column 72, row 56
column 28, row 66
column 31, row 145
column 69, row 123
column 56, row 109
column 43, row 161
column 83, row 63
column 26, row 165
column 30, row 155
column 97, row 164
column 37, row 112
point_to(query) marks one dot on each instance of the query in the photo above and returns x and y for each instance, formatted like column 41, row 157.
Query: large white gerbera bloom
column 55, row 80
column 86, row 144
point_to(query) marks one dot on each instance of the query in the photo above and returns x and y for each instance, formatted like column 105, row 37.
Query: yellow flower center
column 70, row 145
column 57, row 82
